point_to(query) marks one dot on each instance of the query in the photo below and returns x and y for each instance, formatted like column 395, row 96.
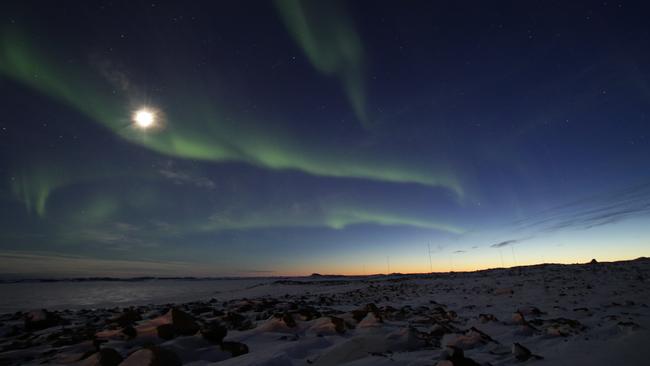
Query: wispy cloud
column 504, row 243
column 181, row 177
column 119, row 236
column 594, row 211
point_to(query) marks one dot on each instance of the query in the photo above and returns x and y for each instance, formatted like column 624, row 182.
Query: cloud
column 504, row 243
column 112, row 74
column 594, row 211
column 117, row 236
column 181, row 177
column 459, row 251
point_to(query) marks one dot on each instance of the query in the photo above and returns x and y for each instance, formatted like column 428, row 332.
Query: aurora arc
column 202, row 134
column 335, row 217
column 327, row 37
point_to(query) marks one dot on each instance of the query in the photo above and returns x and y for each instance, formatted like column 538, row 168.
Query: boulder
column 485, row 318
column 457, row 357
column 339, row 324
column 235, row 348
column 472, row 338
column 129, row 332
column 287, row 319
column 309, row 313
column 41, row 319
column 518, row 318
column 236, row 321
column 166, row 331
column 152, row 356
column 105, row 357
column 362, row 313
column 520, row 352
column 183, row 323
column 126, row 317
column 214, row 332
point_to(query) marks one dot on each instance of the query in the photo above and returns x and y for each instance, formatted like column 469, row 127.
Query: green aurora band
column 327, row 36
column 194, row 129
column 336, row 217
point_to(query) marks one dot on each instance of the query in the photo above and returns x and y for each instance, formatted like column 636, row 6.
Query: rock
column 130, row 332
column 358, row 315
column 41, row 319
column 97, row 343
column 457, row 357
column 287, row 319
column 152, row 356
column 563, row 327
column 236, row 321
column 518, row 318
column 371, row 320
column 105, row 357
column 214, row 332
column 438, row 330
column 628, row 326
column 126, row 318
column 372, row 308
column 520, row 352
column 530, row 310
column 484, row 318
column 198, row 310
column 309, row 313
column 526, row 330
column 235, row 348
column 339, row 324
column 70, row 336
column 183, row 323
column 472, row 338
column 361, row 314
column 166, row 331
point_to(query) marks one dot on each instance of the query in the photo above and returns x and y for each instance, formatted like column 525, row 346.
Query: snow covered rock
column 105, row 357
column 214, row 332
column 152, row 356
column 235, row 348
column 41, row 319
column 456, row 357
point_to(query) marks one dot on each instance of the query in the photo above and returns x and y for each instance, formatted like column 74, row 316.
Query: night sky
column 294, row 137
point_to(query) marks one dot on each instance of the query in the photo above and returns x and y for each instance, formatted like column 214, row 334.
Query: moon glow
column 144, row 118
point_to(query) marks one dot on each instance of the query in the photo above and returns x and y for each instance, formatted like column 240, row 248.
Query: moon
column 144, row 118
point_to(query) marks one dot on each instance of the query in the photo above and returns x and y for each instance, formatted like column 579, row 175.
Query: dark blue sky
column 295, row 137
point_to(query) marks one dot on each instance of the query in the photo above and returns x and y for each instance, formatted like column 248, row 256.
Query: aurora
column 321, row 135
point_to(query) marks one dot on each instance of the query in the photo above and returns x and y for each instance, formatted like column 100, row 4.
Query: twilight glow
column 325, row 137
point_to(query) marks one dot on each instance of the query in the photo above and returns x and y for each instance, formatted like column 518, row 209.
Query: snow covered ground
column 588, row 314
